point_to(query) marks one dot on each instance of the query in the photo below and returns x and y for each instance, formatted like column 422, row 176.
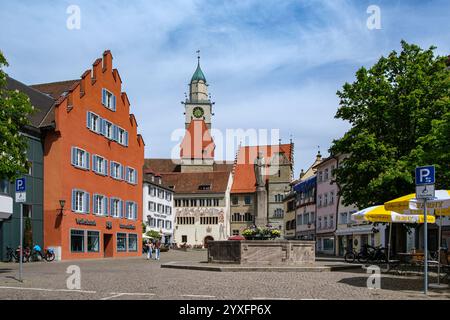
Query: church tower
column 197, row 147
column 198, row 105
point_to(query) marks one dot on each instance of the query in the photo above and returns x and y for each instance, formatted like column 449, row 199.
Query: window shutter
column 94, row 163
column 111, row 202
column 86, row 203
column 114, row 103
column 105, row 206
column 121, row 208
column 87, row 160
column 135, row 176
column 127, row 174
column 102, row 126
column 104, row 97
column 111, row 171
column 121, row 172
column 94, row 199
column 73, row 199
column 126, row 138
column 74, row 155
column 135, row 211
column 88, row 120
column 115, row 133
column 105, row 167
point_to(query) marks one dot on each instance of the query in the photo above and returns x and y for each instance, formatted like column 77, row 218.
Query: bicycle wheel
column 50, row 256
column 349, row 257
column 362, row 258
column 382, row 257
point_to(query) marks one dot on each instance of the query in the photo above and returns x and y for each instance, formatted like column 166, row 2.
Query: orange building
column 93, row 160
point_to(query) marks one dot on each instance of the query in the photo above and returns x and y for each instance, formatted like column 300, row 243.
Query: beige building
column 261, row 178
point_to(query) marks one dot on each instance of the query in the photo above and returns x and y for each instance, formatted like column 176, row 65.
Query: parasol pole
column 389, row 243
column 425, row 249
column 439, row 247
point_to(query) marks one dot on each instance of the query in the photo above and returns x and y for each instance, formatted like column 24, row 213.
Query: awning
column 6, row 207
column 355, row 230
column 306, row 185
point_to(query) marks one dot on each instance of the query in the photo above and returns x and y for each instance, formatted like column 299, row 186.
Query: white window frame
column 131, row 175
column 108, row 99
column 116, row 166
column 84, row 202
column 117, row 201
column 109, row 134
column 84, row 158
column 103, row 203
column 103, row 169
column 131, row 214
column 94, row 119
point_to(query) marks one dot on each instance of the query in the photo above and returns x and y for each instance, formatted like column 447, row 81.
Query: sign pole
column 425, row 249
column 21, row 244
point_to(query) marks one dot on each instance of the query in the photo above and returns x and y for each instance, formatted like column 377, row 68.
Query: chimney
column 96, row 69
column 107, row 61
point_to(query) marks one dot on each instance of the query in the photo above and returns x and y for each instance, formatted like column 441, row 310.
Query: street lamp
column 62, row 203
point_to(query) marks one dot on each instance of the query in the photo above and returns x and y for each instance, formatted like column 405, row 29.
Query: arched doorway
column 205, row 241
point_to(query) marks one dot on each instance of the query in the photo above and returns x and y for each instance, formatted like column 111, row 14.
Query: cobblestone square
column 139, row 278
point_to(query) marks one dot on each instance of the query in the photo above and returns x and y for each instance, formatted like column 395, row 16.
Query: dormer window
column 204, row 187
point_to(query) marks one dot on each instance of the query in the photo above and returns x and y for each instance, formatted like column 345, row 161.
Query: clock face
column 198, row 112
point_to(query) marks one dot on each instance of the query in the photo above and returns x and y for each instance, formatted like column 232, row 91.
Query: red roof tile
column 56, row 89
column 197, row 142
column 244, row 180
column 189, row 182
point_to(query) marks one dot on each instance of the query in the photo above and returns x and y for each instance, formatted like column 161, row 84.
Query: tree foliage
column 399, row 110
column 15, row 107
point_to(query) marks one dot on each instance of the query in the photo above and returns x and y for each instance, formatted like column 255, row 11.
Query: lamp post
column 62, row 203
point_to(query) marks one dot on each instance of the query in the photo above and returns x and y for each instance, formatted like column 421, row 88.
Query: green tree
column 399, row 112
column 153, row 234
column 15, row 107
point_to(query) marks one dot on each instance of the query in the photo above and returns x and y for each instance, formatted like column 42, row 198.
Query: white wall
column 155, row 214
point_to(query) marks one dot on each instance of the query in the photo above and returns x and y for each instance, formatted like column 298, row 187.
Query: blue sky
column 270, row 64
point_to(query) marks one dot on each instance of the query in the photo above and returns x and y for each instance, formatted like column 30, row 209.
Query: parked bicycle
column 14, row 255
column 38, row 255
column 11, row 255
column 350, row 255
column 376, row 254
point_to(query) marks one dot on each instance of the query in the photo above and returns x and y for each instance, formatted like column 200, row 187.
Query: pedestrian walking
column 157, row 249
column 150, row 250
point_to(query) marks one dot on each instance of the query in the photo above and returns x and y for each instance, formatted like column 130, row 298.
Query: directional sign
column 425, row 191
column 20, row 185
column 425, row 175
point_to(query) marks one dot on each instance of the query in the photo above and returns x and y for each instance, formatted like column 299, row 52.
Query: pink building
column 326, row 206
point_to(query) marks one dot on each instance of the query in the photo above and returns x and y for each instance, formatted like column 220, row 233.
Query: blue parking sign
column 20, row 185
column 425, row 175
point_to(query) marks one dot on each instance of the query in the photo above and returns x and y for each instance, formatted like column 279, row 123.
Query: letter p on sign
column 425, row 175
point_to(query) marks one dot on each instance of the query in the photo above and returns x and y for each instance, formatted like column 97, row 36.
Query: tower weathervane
column 198, row 55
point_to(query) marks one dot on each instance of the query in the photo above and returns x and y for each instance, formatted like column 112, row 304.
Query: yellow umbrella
column 439, row 206
column 409, row 204
column 380, row 214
